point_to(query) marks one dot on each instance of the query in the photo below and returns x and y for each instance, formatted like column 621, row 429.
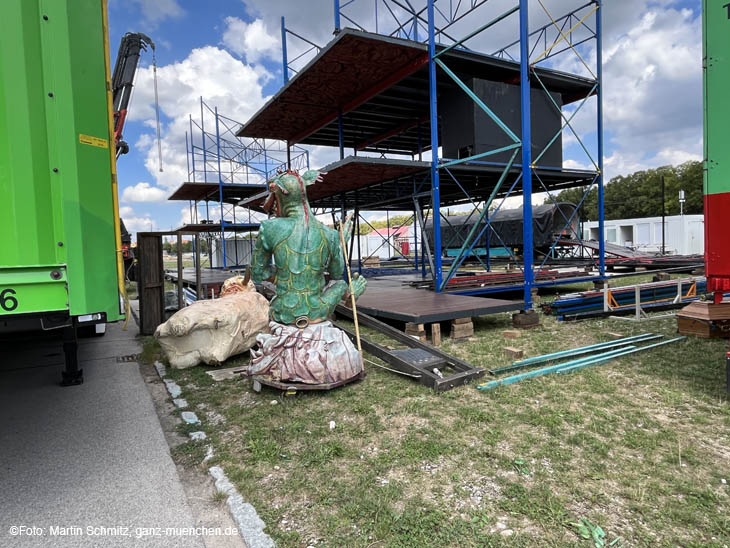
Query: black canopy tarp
column 548, row 221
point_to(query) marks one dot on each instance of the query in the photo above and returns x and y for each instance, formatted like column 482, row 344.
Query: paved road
column 84, row 456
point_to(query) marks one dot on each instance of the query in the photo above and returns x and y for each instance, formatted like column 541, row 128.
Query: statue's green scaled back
column 303, row 249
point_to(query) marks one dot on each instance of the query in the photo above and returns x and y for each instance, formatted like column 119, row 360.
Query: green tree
column 394, row 221
column 640, row 194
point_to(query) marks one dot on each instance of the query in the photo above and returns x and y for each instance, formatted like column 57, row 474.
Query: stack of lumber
column 622, row 300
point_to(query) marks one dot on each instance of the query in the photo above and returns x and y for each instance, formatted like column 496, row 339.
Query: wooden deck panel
column 388, row 300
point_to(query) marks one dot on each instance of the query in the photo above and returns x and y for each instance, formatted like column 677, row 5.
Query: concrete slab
column 227, row 373
column 84, row 456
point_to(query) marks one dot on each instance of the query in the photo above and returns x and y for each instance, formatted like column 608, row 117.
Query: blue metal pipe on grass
column 586, row 349
column 597, row 360
column 547, row 370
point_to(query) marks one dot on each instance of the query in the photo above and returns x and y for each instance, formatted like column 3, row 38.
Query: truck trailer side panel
column 57, row 218
column 716, row 45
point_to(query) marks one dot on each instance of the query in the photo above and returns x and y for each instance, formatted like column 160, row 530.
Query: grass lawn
column 187, row 263
column 639, row 446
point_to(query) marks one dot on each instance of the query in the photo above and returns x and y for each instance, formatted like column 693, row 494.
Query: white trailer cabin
column 683, row 234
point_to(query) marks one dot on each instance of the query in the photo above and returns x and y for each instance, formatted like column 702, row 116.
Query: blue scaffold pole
column 526, row 153
column 435, row 192
column 284, row 61
column 599, row 114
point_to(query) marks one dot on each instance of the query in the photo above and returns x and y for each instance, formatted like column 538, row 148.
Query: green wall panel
column 716, row 42
column 55, row 168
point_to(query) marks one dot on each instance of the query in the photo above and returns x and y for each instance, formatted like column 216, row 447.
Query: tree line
column 170, row 246
column 640, row 194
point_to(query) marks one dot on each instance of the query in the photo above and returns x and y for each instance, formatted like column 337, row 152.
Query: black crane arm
column 125, row 67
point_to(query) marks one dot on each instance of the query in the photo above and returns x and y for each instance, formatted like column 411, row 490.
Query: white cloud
column 652, row 74
column 143, row 192
column 652, row 69
column 155, row 12
column 653, row 86
column 137, row 223
column 574, row 164
column 185, row 217
column 144, row 223
column 235, row 87
column 676, row 156
column 126, row 211
column 252, row 41
column 314, row 23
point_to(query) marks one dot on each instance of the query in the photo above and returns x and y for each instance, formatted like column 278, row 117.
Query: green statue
column 303, row 249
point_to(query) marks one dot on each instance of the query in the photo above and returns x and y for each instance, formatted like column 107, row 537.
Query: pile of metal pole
column 622, row 300
column 595, row 354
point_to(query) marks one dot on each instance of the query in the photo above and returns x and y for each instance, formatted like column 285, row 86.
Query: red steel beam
column 391, row 133
column 366, row 95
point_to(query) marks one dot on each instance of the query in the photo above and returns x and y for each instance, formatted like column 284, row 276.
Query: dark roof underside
column 200, row 192
column 391, row 74
column 385, row 183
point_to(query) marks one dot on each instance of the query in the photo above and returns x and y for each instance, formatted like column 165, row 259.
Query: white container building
column 684, row 234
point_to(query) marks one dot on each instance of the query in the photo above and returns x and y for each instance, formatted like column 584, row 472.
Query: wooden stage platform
column 388, row 297
column 210, row 278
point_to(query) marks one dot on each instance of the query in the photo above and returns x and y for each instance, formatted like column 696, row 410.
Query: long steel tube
column 597, row 360
column 574, row 365
column 550, row 369
column 575, row 352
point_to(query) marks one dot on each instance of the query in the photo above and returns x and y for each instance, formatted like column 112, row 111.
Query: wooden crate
column 706, row 329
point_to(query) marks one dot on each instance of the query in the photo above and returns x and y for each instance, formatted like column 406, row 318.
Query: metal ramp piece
column 419, row 356
column 432, row 366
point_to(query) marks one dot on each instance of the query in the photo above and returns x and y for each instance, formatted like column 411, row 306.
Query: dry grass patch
column 639, row 446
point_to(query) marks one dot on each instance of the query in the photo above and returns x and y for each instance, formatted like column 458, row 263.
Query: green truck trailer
column 60, row 248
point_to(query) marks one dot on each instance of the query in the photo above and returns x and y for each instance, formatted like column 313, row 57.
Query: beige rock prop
column 211, row 331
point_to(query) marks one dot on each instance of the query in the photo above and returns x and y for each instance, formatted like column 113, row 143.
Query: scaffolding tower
column 402, row 81
column 222, row 170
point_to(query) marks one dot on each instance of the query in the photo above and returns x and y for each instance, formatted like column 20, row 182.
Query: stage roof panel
column 387, row 183
column 199, row 192
column 381, row 84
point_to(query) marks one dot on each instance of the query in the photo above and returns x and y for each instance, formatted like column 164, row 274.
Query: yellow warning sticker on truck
column 93, row 141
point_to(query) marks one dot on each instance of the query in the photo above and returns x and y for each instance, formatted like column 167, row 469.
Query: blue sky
column 199, row 24
column 229, row 52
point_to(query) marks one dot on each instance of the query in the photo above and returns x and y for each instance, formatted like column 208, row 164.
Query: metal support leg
column 415, row 238
column 435, row 188
column 71, row 375
column 359, row 252
column 526, row 154
column 198, row 287
column 599, row 123
column 180, row 301
column 284, row 61
column 424, row 242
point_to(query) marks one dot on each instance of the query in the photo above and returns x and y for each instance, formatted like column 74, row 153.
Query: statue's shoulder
column 330, row 234
column 275, row 229
column 276, row 223
column 329, row 231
